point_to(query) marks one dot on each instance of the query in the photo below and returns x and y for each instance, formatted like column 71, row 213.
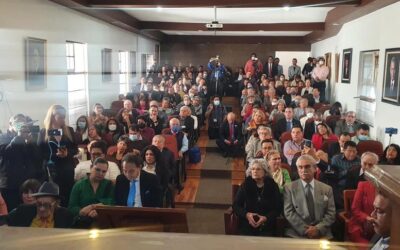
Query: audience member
column 295, row 145
column 97, row 149
column 58, row 148
column 253, row 146
column 294, row 70
column 20, row 159
column 258, row 201
column 167, row 157
column 285, row 124
column 45, row 213
column 121, row 150
column 135, row 187
column 215, row 114
column 310, row 127
column 356, row 173
column 322, row 135
column 230, row 136
column 301, row 110
column 308, row 69
column 153, row 164
column 319, row 75
column 278, row 112
column 81, row 132
column 28, row 188
column 336, row 148
column 280, row 175
column 391, row 155
column 146, row 132
column 307, row 90
column 349, row 124
column 97, row 118
column 362, row 134
column 136, row 141
column 112, row 132
column 381, row 221
column 309, row 206
column 91, row 191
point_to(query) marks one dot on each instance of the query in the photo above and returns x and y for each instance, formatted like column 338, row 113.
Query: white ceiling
column 231, row 15
column 236, row 33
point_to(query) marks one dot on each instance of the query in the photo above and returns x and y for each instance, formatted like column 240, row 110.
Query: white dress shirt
column 312, row 183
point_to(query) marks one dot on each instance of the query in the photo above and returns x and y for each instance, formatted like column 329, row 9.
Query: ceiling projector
column 214, row 25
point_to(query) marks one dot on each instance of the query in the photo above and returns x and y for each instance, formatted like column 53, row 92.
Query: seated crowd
column 301, row 152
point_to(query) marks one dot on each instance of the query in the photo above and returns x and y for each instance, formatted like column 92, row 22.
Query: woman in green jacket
column 280, row 175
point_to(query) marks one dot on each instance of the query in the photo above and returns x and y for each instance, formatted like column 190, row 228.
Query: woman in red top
column 360, row 228
column 323, row 134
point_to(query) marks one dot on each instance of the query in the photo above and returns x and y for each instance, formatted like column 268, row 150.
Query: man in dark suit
column 290, row 97
column 310, row 127
column 270, row 69
column 356, row 173
column 391, row 86
column 349, row 124
column 135, row 187
column 285, row 124
column 336, row 148
column 230, row 136
column 187, row 122
column 381, row 221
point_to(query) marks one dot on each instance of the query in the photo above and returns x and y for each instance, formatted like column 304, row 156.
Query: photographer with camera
column 254, row 66
column 218, row 74
column 20, row 158
column 58, row 148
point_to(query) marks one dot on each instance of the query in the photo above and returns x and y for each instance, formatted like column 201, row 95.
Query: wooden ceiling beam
column 234, row 27
column 218, row 3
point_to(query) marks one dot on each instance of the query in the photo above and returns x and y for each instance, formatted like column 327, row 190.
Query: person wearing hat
column 45, row 213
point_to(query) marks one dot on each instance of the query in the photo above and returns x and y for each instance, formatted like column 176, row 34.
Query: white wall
column 378, row 30
column 56, row 24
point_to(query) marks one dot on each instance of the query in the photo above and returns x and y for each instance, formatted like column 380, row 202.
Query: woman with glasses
column 44, row 213
column 58, row 148
column 280, row 175
column 258, row 202
column 91, row 191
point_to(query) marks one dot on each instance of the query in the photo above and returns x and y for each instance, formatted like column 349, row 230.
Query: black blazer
column 309, row 129
column 280, row 127
column 269, row 205
column 23, row 215
column 224, row 131
column 150, row 190
column 353, row 177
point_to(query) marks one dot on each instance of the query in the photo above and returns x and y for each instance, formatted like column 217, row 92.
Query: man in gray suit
column 308, row 204
column 348, row 124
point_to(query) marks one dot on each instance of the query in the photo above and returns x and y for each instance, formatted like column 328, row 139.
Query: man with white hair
column 356, row 173
column 309, row 206
column 253, row 146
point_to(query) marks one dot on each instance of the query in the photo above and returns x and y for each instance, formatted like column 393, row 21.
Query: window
column 123, row 65
column 77, row 81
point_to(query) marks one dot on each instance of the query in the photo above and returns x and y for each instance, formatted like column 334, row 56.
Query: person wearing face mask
column 112, row 132
column 20, row 159
column 186, row 102
column 320, row 75
column 362, row 134
column 136, row 143
column 146, row 132
column 215, row 114
column 81, row 132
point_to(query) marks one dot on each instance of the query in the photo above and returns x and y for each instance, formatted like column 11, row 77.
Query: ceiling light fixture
column 335, row 24
column 260, row 30
column 200, row 30
column 159, row 8
column 286, row 8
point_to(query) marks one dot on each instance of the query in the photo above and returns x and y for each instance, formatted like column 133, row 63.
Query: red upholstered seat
column 370, row 145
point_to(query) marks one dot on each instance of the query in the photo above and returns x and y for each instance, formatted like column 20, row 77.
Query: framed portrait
column 391, row 77
column 346, row 65
column 35, row 64
column 337, row 63
column 106, row 64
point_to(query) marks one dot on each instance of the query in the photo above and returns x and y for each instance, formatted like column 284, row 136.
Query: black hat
column 48, row 189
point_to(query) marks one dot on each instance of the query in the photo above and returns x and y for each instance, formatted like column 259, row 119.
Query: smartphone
column 308, row 143
column 54, row 132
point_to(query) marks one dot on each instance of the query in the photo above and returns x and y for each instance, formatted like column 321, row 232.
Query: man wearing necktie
column 309, row 206
column 391, row 88
column 135, row 187
column 230, row 137
column 381, row 221
column 268, row 69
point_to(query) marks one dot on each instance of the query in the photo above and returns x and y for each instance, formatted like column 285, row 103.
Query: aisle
column 208, row 188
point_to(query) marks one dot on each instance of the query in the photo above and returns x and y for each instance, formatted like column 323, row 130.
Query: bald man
column 230, row 136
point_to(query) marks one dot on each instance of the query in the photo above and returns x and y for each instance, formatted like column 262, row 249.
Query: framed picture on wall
column 346, row 65
column 337, row 63
column 106, row 62
column 35, row 64
column 391, row 77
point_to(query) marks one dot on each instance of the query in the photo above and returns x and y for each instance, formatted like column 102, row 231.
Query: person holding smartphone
column 58, row 148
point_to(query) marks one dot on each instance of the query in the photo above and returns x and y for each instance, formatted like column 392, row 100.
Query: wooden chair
column 371, row 146
column 286, row 136
column 344, row 217
column 230, row 219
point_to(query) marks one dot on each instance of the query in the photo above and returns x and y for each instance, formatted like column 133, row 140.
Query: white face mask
column 321, row 63
column 310, row 115
column 112, row 127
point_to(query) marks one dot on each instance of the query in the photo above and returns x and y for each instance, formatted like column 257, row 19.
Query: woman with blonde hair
column 280, row 175
column 58, row 148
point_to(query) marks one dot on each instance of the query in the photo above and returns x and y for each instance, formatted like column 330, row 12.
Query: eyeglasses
column 98, row 170
column 45, row 205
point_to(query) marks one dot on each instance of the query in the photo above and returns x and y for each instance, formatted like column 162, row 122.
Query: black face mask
column 141, row 125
